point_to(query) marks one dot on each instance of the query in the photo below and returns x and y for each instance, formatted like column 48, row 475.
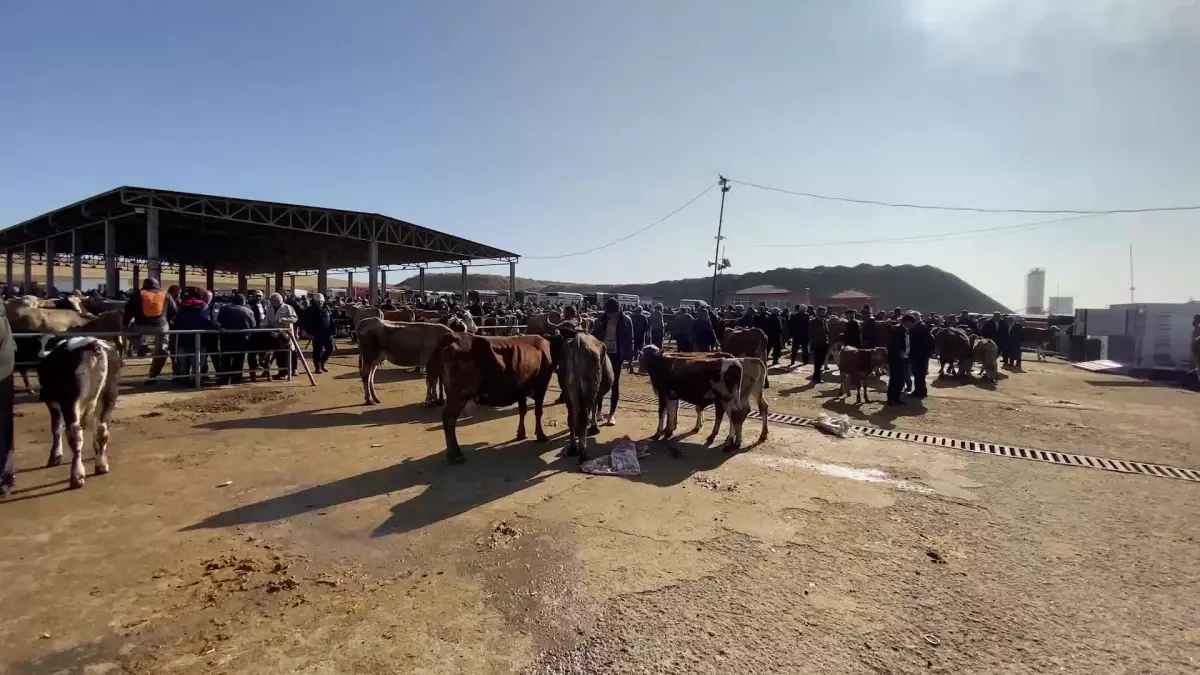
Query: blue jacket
column 318, row 322
column 624, row 334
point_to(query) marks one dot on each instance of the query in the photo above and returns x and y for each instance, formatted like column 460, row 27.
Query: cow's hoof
column 55, row 460
column 593, row 430
column 709, row 440
column 456, row 457
column 101, row 470
column 541, row 437
column 573, row 451
column 76, row 483
column 520, row 436
column 762, row 438
column 675, row 452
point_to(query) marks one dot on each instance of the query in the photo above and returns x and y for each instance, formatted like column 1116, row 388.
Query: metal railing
column 195, row 356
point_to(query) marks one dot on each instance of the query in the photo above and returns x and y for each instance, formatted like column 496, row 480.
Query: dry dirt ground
column 288, row 529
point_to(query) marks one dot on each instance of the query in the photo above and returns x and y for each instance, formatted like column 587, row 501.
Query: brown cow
column 856, row 367
column 25, row 319
column 544, row 323
column 493, row 371
column 954, row 350
column 985, row 352
column 586, row 375
column 751, row 342
column 404, row 344
column 1041, row 338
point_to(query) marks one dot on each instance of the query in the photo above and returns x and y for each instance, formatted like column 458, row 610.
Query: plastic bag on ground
column 622, row 461
column 838, row 426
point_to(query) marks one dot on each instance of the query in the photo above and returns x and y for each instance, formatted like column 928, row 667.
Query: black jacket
column 990, row 330
column 868, row 332
column 853, row 335
column 896, row 345
column 921, row 343
column 236, row 317
column 318, row 322
column 704, row 338
column 798, row 324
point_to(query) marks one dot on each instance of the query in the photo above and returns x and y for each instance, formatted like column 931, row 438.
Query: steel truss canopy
column 236, row 235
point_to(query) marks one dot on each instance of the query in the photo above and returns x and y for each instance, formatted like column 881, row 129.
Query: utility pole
column 717, row 263
column 1131, row 300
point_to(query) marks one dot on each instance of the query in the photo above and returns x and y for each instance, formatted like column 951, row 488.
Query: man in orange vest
column 151, row 311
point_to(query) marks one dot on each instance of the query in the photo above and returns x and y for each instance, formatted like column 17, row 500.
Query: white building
column 1035, row 291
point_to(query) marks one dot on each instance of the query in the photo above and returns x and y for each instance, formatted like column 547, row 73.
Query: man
column 922, row 347
column 798, row 323
column 897, row 314
column 150, row 310
column 190, row 316
column 1013, row 340
column 818, row 338
column 853, row 335
column 281, row 315
column 747, row 319
column 235, row 317
column 683, row 338
column 8, row 353
column 641, row 323
column 657, row 326
column 703, row 337
column 868, row 328
column 616, row 331
column 318, row 323
column 990, row 329
column 964, row 321
column 898, row 353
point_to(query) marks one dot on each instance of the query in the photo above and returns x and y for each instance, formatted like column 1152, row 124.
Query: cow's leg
column 56, row 431
column 522, row 407
column 25, row 378
column 71, row 417
column 763, row 411
column 1041, row 354
column 862, row 386
column 366, row 371
column 572, row 430
column 672, row 420
column 720, row 415
column 450, row 413
column 417, row 370
column 662, row 418
column 699, row 418
column 539, row 398
column 100, row 442
column 737, row 417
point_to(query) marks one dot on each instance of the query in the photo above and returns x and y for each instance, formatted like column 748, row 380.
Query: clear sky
column 551, row 126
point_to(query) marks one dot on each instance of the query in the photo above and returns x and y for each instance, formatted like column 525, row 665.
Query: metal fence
column 193, row 355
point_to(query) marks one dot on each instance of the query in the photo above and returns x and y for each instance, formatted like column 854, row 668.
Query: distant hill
column 923, row 288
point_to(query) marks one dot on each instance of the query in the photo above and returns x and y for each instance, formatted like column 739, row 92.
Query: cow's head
column 648, row 352
column 727, row 381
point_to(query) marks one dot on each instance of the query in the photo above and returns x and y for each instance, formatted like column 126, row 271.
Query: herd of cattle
column 513, row 365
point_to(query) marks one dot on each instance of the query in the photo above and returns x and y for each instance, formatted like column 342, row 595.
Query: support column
column 373, row 272
column 210, row 278
column 8, row 268
column 464, row 284
column 182, row 276
column 279, row 282
column 383, row 282
column 323, row 274
column 243, row 283
column 421, row 281
column 350, row 283
column 512, row 281
column 49, row 265
column 267, row 285
column 292, row 283
column 137, row 277
column 27, row 282
column 153, row 262
column 77, row 260
column 112, row 283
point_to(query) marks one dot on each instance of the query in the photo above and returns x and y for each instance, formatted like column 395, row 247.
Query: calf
column 493, row 371
column 79, row 381
column 856, row 367
column 404, row 344
column 737, row 381
column 681, row 376
column 954, row 350
column 985, row 352
column 1042, row 339
column 586, row 375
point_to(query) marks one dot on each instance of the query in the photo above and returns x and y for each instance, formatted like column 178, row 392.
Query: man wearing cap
column 318, row 323
column 281, row 315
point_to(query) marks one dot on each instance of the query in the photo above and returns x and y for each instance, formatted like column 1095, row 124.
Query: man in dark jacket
column 853, row 335
column 818, row 337
column 615, row 330
column 191, row 315
column 747, row 319
column 798, row 323
column 899, row 350
column 990, row 329
column 921, row 347
column 640, row 319
column 703, row 338
column 235, row 317
column 773, row 327
column 318, row 323
column 868, row 328
column 1012, row 339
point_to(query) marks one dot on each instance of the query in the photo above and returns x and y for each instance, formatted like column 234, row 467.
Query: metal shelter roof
column 239, row 235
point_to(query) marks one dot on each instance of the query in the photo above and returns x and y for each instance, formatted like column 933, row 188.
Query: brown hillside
column 923, row 287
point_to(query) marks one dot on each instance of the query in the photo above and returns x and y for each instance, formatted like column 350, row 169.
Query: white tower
column 1035, row 291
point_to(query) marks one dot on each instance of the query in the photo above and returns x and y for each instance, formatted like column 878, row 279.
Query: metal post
column 350, row 284
column 464, row 285
column 323, row 273
column 243, row 283
column 77, row 260
column 279, row 282
column 8, row 267
column 112, row 282
column 289, row 361
column 137, row 277
column 49, row 265
column 512, row 281
column 27, row 283
column 210, row 277
column 373, row 273
column 196, row 362
column 153, row 263
column 292, row 283
column 716, row 263
column 421, row 281
column 383, row 282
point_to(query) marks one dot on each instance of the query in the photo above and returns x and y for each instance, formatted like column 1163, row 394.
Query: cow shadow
column 372, row 416
column 883, row 417
column 397, row 374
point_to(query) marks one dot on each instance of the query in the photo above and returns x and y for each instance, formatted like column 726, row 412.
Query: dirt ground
column 288, row 529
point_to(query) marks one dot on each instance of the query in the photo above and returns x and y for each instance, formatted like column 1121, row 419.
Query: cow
column 750, row 342
column 836, row 327
column 79, row 383
column 541, row 324
column 985, row 352
column 585, row 375
column 1042, row 339
column 692, row 377
column 403, row 344
column 856, row 367
column 493, row 371
column 954, row 350
column 25, row 319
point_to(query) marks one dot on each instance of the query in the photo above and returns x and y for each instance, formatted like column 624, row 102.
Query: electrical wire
column 627, row 237
column 974, row 209
column 943, row 236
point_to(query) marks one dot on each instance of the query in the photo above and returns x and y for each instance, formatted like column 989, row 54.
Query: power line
column 924, row 238
column 631, row 235
column 931, row 207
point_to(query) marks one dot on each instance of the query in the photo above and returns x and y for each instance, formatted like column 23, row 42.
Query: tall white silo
column 1035, row 291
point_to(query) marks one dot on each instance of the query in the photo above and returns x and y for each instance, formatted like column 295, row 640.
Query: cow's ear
column 733, row 375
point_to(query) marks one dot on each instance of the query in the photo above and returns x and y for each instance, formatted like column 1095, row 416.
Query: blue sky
column 547, row 127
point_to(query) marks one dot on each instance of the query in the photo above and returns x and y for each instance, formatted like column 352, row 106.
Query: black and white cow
column 79, row 380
